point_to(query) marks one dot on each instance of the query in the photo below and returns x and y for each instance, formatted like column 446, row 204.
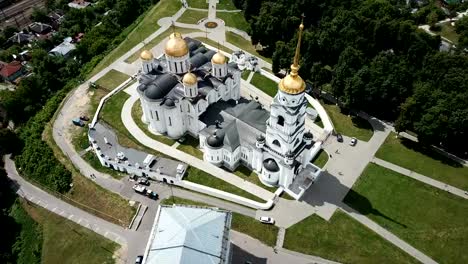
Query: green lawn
column 137, row 112
column 192, row 16
column 432, row 220
column 197, row 176
column 111, row 80
column 80, row 139
column 63, row 241
column 235, row 20
column 265, row 84
column 249, row 175
column 244, row 44
column 244, row 224
column 349, row 126
column 28, row 245
column 448, row 31
column 245, row 74
column 342, row 239
column 214, row 44
column 225, row 5
column 157, row 40
column 320, row 159
column 190, row 146
column 198, row 4
column 145, row 26
column 423, row 160
column 92, row 160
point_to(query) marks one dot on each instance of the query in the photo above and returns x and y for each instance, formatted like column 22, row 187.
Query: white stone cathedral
column 193, row 90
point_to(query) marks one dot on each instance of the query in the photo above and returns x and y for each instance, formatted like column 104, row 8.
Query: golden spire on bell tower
column 293, row 83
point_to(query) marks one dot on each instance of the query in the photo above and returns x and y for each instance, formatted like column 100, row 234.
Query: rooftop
column 189, row 234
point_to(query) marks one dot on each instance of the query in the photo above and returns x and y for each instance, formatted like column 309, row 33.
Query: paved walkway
column 141, row 136
column 421, row 178
column 212, row 9
column 387, row 235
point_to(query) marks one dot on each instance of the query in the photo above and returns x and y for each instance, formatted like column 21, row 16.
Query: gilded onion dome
column 189, row 78
column 176, row 45
column 146, row 55
column 293, row 83
column 218, row 58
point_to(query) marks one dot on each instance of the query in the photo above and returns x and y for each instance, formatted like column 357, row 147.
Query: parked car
column 139, row 260
column 139, row 188
column 143, row 181
column 78, row 122
column 151, row 194
column 339, row 138
column 353, row 142
column 84, row 118
column 267, row 220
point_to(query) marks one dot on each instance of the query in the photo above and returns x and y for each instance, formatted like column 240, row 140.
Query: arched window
column 276, row 142
column 170, row 121
column 297, row 142
column 281, row 120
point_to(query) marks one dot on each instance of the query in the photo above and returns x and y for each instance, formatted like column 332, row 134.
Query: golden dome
column 292, row 84
column 176, row 45
column 218, row 58
column 146, row 55
column 189, row 78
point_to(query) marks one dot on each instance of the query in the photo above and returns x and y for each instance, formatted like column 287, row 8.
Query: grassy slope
column 265, row 84
column 112, row 79
column 349, row 126
column 214, row 44
column 320, row 159
column 92, row 160
column 244, row 44
column 235, row 20
column 247, row 225
column 137, row 112
column 67, row 242
column 342, row 239
column 245, row 74
column 192, row 16
column 190, row 146
column 197, row 176
column 198, row 4
column 249, row 175
column 144, row 29
column 426, row 161
column 29, row 243
column 432, row 220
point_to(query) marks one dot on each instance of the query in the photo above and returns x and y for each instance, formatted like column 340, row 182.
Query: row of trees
column 375, row 58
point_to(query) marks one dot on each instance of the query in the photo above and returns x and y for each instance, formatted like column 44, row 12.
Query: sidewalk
column 421, row 178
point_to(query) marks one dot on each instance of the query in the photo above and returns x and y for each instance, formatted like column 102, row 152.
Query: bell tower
column 286, row 125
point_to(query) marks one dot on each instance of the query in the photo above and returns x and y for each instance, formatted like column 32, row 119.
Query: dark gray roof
column 198, row 60
column 216, row 140
column 169, row 103
column 271, row 165
column 231, row 136
column 161, row 86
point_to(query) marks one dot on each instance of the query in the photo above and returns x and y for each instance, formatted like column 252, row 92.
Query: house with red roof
column 9, row 72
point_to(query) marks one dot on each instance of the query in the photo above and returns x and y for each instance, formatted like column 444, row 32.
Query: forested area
column 373, row 56
column 34, row 102
column 38, row 96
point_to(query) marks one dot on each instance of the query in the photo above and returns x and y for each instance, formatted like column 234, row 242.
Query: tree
column 39, row 15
